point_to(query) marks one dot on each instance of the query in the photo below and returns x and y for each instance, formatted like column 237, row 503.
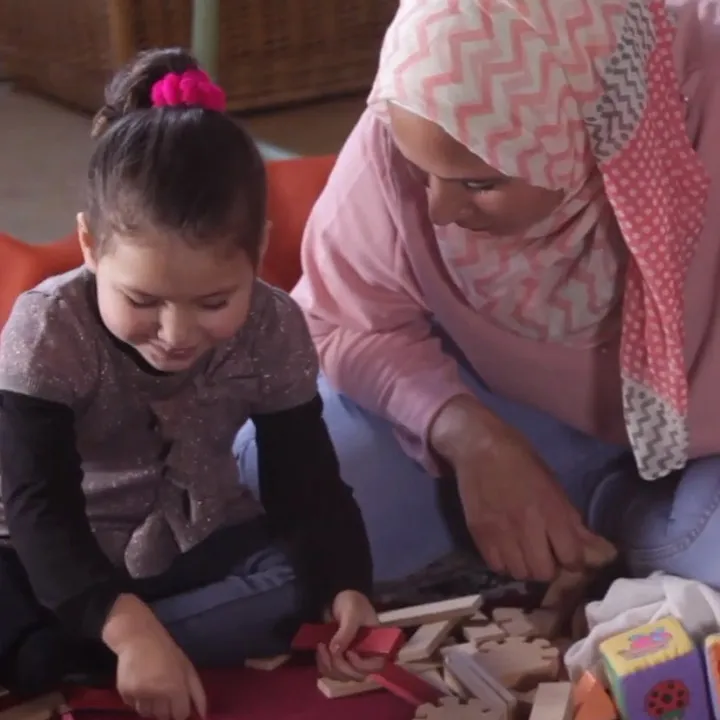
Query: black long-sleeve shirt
column 307, row 504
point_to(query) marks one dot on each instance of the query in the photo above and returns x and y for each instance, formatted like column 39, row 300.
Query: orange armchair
column 293, row 187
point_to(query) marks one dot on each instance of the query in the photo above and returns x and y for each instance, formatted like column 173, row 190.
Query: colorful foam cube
column 712, row 668
column 655, row 671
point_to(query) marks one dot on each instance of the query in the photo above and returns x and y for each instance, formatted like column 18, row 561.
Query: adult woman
column 526, row 201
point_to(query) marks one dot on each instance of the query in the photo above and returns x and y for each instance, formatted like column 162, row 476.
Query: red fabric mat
column 289, row 693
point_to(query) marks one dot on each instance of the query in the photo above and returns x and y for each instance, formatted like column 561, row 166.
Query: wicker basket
column 271, row 52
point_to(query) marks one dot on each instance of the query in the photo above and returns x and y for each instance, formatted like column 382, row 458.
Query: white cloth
column 630, row 603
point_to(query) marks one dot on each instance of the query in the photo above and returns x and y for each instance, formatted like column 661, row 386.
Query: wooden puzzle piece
column 40, row 708
column 406, row 685
column 517, row 662
column 591, row 701
column 267, row 664
column 479, row 629
column 426, row 640
column 432, row 612
column 566, row 591
column 453, row 709
column 368, row 641
column 543, row 622
column 712, row 665
column 553, row 701
column 656, row 671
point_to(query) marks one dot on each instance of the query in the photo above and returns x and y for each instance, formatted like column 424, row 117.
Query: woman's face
column 464, row 190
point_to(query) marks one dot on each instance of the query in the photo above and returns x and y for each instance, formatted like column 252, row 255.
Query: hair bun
column 131, row 88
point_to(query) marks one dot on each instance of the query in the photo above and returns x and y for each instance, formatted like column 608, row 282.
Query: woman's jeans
column 671, row 524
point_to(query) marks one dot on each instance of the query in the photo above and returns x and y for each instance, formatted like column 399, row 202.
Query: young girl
column 122, row 385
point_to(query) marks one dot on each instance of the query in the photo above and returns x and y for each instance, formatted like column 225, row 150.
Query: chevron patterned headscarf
column 580, row 95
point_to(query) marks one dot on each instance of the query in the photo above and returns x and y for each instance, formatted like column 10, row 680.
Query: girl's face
column 462, row 188
column 168, row 301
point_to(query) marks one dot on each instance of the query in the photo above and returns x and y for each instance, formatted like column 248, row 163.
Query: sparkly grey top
column 159, row 474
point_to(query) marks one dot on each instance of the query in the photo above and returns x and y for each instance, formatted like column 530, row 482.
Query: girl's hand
column 157, row 680
column 351, row 610
column 154, row 676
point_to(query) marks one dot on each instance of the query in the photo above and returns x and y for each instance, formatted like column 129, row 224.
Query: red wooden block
column 368, row 641
column 406, row 685
column 309, row 636
column 91, row 699
column 379, row 641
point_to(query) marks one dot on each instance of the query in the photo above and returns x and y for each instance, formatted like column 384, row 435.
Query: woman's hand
column 154, row 676
column 520, row 518
column 351, row 610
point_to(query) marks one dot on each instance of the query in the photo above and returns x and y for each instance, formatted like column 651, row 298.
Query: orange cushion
column 23, row 266
column 293, row 187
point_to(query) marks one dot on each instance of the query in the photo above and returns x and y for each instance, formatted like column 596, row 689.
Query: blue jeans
column 245, row 615
column 671, row 524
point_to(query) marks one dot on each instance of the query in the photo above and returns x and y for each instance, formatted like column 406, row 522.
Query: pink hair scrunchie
column 192, row 88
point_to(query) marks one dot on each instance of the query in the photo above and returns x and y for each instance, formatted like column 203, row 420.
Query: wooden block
column 479, row 683
column 334, row 689
column 420, row 666
column 454, row 685
column 591, row 701
column 479, row 634
column 517, row 662
column 479, row 617
column 267, row 664
column 426, row 640
column 41, row 708
column 453, row 709
column 338, row 689
column 434, row 678
column 553, row 701
column 432, row 612
column 406, row 685
column 467, row 648
column 368, row 641
column 543, row 622
column 479, row 629
column 656, row 670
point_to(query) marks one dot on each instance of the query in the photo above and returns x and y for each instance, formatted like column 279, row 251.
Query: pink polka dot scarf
column 580, row 95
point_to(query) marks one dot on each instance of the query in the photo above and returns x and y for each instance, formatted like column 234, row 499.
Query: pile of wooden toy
column 459, row 660
column 458, row 663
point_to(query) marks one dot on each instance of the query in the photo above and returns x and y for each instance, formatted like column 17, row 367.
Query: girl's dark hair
column 184, row 170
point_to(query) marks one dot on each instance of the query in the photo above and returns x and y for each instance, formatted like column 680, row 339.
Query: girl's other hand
column 154, row 676
column 351, row 610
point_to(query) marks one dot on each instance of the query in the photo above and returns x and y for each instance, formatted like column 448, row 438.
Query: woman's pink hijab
column 578, row 95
